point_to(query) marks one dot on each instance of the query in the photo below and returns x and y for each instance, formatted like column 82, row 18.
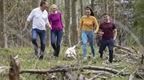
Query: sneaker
column 54, row 53
column 41, row 55
column 94, row 59
column 36, row 50
column 107, row 62
column 85, row 60
column 101, row 56
column 55, row 57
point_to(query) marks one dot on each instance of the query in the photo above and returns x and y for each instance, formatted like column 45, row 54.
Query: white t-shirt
column 39, row 18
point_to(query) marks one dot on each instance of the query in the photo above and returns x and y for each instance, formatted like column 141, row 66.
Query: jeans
column 107, row 43
column 56, row 37
column 42, row 36
column 87, row 36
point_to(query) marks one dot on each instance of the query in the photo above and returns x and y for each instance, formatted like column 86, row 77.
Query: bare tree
column 74, row 33
column 5, row 36
column 106, row 6
column 67, row 22
column 92, row 4
column 13, row 15
column 81, row 7
column 1, row 22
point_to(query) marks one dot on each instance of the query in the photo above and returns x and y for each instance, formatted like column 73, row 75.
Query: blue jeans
column 56, row 37
column 107, row 43
column 42, row 36
column 87, row 36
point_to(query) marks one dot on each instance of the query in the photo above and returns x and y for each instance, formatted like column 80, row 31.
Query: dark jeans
column 56, row 37
column 107, row 43
column 42, row 36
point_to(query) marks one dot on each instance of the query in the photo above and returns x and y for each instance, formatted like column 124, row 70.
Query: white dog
column 71, row 53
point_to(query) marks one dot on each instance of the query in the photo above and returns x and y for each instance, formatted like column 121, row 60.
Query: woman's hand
column 49, row 26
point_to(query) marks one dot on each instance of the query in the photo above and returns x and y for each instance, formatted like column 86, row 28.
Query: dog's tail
column 77, row 43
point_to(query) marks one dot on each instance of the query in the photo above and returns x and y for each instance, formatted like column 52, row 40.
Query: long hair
column 89, row 8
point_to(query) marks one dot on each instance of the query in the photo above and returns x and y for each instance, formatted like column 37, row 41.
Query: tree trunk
column 14, row 69
column 92, row 4
column 74, row 33
column 5, row 36
column 67, row 22
column 1, row 23
column 81, row 7
column 106, row 6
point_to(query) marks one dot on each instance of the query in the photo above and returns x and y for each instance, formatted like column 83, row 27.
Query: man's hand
column 95, row 32
column 50, row 27
column 115, row 34
column 100, row 33
column 25, row 27
column 114, row 38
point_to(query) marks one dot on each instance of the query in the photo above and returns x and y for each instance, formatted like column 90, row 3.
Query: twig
column 121, row 71
column 124, row 48
column 70, row 77
column 3, row 68
column 94, row 78
column 142, row 59
column 131, row 77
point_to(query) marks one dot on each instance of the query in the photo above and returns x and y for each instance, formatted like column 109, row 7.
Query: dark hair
column 42, row 2
column 89, row 8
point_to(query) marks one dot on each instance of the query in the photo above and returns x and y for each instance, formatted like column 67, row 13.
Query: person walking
column 88, row 26
column 39, row 18
column 55, row 19
column 108, row 33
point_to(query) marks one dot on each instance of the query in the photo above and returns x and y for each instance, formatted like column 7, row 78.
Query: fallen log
column 97, row 68
column 44, row 71
column 110, row 70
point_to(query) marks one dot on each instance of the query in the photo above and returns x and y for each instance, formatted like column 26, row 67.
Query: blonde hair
column 53, row 6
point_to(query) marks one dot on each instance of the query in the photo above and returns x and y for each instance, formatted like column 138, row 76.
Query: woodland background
column 127, row 15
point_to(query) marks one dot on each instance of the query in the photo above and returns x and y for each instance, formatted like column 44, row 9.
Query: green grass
column 29, row 61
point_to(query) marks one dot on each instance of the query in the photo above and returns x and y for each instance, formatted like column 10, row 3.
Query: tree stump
column 14, row 69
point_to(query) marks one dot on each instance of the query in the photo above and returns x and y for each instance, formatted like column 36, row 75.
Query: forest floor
column 29, row 61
